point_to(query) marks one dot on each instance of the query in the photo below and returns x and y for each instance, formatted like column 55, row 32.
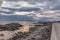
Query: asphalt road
column 55, row 31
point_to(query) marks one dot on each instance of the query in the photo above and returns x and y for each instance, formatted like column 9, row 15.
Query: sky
column 45, row 10
column 50, row 3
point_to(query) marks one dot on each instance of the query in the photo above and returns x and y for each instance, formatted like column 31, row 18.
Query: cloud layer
column 41, row 10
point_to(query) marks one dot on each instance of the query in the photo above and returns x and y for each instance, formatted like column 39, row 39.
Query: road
column 56, row 31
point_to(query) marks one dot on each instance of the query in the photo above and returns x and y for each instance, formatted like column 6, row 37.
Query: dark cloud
column 16, row 18
column 0, row 2
column 29, row 9
column 30, row 1
column 24, row 9
column 56, row 8
column 55, row 4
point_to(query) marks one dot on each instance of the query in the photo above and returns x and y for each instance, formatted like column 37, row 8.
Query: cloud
column 48, row 8
column 22, row 4
column 41, row 4
column 54, row 4
column 16, row 18
column 56, row 8
column 48, row 15
column 29, row 9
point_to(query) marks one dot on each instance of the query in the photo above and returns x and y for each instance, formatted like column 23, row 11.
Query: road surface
column 56, row 31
